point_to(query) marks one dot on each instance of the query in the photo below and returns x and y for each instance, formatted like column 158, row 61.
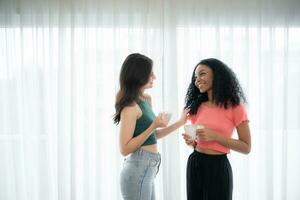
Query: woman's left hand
column 205, row 134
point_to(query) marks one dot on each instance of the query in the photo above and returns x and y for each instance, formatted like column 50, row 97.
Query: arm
column 127, row 142
column 165, row 131
column 242, row 144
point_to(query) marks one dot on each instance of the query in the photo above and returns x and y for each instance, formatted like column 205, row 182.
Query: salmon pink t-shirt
column 219, row 119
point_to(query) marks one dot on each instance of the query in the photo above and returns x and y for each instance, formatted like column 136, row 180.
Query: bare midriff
column 151, row 148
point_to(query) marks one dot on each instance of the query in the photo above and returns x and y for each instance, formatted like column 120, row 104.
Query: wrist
column 153, row 126
column 180, row 122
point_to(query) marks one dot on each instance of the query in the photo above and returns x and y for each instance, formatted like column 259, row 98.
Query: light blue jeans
column 138, row 174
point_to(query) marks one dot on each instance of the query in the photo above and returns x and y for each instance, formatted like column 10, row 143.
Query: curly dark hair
column 135, row 73
column 226, row 90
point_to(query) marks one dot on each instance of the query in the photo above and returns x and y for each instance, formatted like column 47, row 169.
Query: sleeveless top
column 144, row 122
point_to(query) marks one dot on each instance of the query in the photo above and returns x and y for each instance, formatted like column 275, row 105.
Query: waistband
column 209, row 156
column 141, row 153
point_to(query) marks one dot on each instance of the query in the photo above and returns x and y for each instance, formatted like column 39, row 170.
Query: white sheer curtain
column 59, row 65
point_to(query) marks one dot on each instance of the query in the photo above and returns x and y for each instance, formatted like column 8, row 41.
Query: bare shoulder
column 132, row 111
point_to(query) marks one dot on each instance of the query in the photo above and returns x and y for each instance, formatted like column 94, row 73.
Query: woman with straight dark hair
column 215, row 99
column 139, row 128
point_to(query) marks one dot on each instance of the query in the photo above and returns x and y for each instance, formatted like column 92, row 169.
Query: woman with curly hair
column 215, row 99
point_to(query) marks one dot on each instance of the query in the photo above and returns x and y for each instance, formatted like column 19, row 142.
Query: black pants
column 209, row 177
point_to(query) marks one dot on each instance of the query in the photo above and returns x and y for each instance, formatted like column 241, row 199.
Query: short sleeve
column 239, row 115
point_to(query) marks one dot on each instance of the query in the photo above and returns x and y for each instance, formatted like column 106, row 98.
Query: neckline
column 212, row 105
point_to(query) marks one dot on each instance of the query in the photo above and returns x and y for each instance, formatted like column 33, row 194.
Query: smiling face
column 203, row 78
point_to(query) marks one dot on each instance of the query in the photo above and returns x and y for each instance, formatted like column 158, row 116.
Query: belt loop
column 140, row 152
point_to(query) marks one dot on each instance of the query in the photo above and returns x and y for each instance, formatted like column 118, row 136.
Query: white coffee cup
column 191, row 129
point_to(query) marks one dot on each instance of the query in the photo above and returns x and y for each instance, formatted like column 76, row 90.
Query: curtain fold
column 59, row 68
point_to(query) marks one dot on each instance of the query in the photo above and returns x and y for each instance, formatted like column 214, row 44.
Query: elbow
column 124, row 151
column 247, row 150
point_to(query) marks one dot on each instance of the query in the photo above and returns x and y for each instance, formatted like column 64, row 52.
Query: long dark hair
column 135, row 73
column 226, row 90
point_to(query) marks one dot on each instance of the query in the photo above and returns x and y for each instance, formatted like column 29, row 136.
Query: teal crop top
column 144, row 122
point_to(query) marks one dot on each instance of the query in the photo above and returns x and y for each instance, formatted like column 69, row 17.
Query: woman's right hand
column 189, row 140
column 161, row 120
